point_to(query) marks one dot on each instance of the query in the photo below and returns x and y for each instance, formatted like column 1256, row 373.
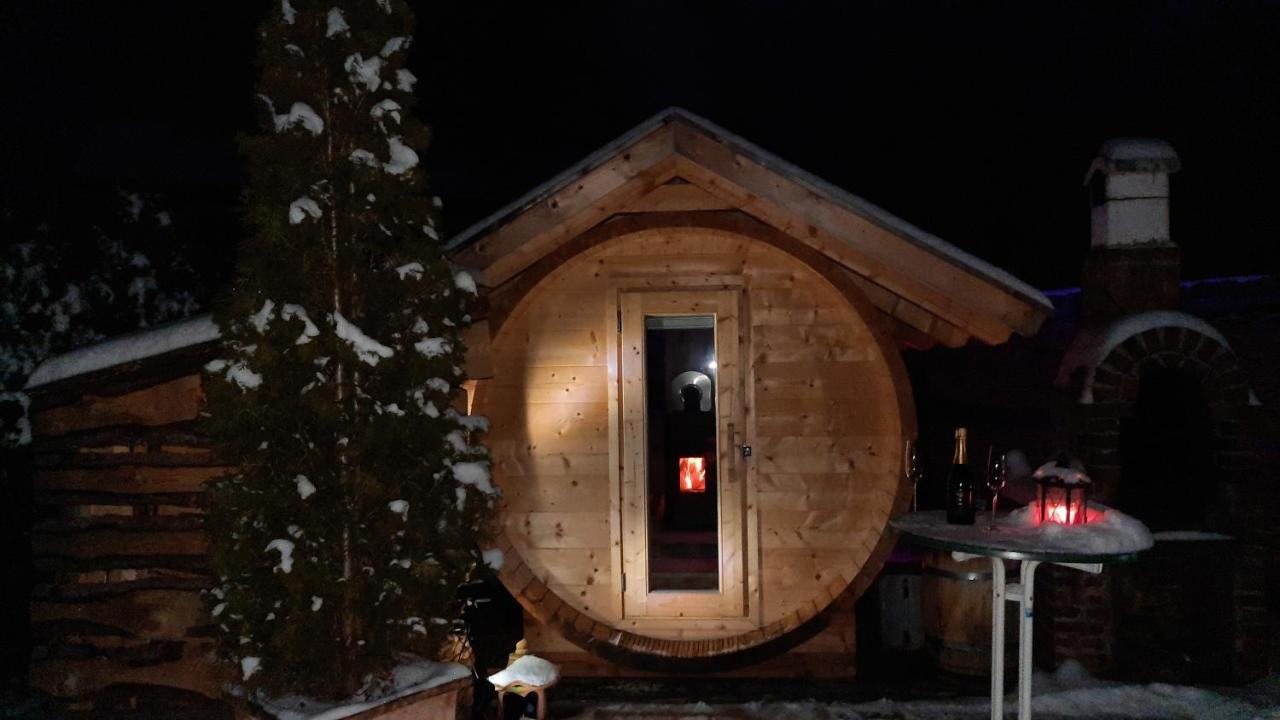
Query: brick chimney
column 1132, row 266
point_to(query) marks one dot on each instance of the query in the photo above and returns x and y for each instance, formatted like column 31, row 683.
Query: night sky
column 973, row 121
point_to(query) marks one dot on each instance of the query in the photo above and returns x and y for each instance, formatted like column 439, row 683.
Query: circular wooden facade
column 826, row 405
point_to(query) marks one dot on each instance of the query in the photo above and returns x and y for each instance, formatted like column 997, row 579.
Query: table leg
column 1025, row 620
column 997, row 638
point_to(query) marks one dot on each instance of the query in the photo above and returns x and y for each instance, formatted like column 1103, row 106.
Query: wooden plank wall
column 827, row 433
column 118, row 543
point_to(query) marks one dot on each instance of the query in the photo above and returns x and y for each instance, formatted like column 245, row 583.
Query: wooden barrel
column 955, row 600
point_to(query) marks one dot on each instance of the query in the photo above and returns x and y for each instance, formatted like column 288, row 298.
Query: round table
column 1013, row 537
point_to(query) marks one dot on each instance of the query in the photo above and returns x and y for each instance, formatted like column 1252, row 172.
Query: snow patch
column 300, row 113
column 492, row 558
column 249, row 666
column 439, row 385
column 366, row 348
column 527, row 670
column 474, row 473
column 386, row 107
column 364, row 72
column 399, row 507
column 433, row 347
column 124, row 349
column 285, row 548
column 287, row 13
column 403, row 158
column 262, row 318
column 413, row 270
column 301, row 208
column 363, row 157
column 464, row 282
column 305, row 487
column 317, row 602
column 415, row 675
column 309, row 329
column 395, row 44
column 1108, row 532
column 405, row 80
column 336, row 23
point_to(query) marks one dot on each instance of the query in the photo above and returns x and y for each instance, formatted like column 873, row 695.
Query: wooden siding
column 828, row 410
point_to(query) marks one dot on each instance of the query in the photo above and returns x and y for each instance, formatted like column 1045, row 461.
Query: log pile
column 119, row 548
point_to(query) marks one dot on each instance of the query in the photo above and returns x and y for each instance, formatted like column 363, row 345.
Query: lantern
column 1062, row 494
column 693, row 475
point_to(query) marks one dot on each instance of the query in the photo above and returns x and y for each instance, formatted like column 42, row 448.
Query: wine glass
column 997, row 478
column 911, row 469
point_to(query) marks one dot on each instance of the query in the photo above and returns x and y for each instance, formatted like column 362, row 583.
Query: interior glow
column 693, row 475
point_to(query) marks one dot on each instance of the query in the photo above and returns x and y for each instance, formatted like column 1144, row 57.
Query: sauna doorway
column 681, row 466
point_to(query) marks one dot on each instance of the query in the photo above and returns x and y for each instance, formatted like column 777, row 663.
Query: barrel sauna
column 799, row 376
column 697, row 399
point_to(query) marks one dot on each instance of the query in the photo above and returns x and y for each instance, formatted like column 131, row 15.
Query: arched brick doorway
column 1161, row 413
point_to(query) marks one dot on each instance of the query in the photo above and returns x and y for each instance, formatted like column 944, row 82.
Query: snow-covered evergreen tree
column 65, row 284
column 362, row 495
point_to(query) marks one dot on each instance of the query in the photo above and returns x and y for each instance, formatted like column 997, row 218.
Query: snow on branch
column 336, row 23
column 299, row 113
column 302, row 207
column 367, row 349
column 403, row 158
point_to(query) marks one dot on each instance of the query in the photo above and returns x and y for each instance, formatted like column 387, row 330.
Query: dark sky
column 974, row 121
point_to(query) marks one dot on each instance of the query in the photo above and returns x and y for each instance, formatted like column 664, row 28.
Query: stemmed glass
column 911, row 469
column 997, row 478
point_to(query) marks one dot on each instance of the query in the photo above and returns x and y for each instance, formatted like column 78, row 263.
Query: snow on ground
column 407, row 679
column 1068, row 693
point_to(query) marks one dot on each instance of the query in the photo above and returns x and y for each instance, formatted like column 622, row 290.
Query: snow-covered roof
column 741, row 146
column 127, row 348
column 1135, row 155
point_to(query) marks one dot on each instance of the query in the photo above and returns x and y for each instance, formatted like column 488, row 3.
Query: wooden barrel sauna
column 955, row 600
column 805, row 379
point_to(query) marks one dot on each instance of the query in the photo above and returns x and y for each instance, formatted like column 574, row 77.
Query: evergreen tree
column 68, row 283
column 361, row 498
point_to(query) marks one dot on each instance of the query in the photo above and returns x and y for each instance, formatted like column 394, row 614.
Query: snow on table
column 408, row 679
column 1108, row 532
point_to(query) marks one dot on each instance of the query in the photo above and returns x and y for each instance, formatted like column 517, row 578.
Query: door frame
column 726, row 304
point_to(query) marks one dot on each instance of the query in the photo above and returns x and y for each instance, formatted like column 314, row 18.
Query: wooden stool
column 523, row 690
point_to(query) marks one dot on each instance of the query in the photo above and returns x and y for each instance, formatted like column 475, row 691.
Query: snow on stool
column 527, row 674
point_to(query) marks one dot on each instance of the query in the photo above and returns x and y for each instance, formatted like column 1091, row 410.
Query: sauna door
column 682, row 474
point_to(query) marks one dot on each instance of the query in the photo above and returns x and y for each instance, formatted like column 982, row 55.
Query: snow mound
column 415, row 676
column 1108, row 532
column 527, row 670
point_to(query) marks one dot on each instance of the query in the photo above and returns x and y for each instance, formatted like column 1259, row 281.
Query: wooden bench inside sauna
column 698, row 403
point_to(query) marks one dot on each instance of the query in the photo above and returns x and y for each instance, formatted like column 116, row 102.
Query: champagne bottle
column 960, row 483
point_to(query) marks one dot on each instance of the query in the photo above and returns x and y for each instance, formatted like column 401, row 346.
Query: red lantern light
column 1062, row 494
column 693, row 475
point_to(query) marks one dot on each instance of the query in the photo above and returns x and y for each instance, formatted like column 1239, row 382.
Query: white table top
column 1112, row 537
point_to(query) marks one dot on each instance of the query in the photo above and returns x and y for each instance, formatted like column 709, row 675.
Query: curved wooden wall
column 831, row 407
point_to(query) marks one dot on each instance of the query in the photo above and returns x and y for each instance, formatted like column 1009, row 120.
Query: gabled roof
column 936, row 288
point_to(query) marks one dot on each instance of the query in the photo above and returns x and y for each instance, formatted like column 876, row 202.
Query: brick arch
column 1105, row 365
column 1117, row 377
column 1103, row 371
